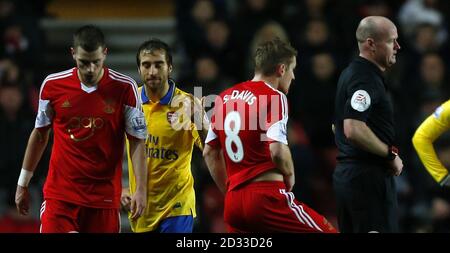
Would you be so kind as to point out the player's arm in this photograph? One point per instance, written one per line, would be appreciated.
(139, 199)
(125, 198)
(281, 156)
(136, 130)
(433, 127)
(279, 149)
(359, 134)
(36, 146)
(216, 164)
(214, 159)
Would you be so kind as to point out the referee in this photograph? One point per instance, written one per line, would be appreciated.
(364, 133)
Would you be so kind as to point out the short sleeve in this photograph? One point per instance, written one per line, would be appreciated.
(212, 136)
(133, 114)
(45, 111)
(277, 119)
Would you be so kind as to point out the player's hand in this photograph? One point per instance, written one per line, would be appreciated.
(289, 181)
(396, 166)
(125, 199)
(138, 204)
(22, 200)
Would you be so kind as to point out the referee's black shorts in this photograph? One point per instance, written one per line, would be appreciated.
(366, 198)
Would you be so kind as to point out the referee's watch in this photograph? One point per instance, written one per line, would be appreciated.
(392, 152)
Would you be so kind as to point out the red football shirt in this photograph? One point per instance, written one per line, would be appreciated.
(246, 119)
(89, 125)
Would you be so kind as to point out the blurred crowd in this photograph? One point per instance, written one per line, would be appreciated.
(215, 40)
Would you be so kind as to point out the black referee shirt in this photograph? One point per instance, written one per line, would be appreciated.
(362, 95)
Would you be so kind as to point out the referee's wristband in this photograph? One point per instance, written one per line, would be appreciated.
(25, 177)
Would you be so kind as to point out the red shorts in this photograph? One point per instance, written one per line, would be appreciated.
(62, 217)
(268, 207)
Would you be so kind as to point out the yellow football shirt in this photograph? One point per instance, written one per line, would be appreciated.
(168, 151)
(424, 137)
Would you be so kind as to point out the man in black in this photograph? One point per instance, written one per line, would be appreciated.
(364, 133)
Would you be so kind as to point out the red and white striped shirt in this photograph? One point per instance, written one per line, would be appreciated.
(246, 119)
(89, 125)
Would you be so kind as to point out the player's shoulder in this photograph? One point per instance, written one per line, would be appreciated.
(446, 105)
(179, 95)
(228, 90)
(255, 87)
(120, 78)
(271, 90)
(179, 91)
(139, 90)
(59, 75)
(57, 79)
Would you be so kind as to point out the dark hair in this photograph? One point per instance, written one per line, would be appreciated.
(89, 37)
(271, 53)
(154, 44)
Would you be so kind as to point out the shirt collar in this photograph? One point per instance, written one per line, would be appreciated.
(165, 100)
